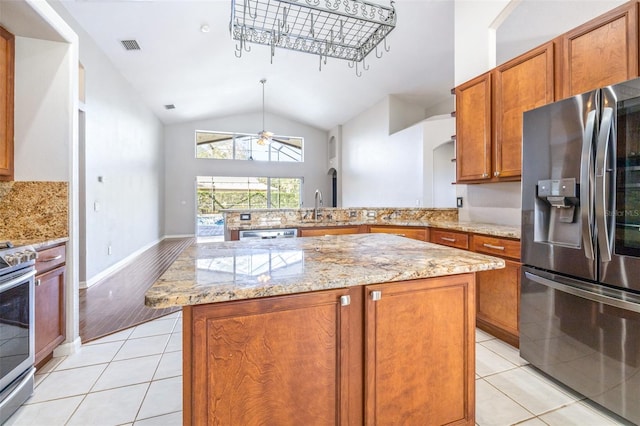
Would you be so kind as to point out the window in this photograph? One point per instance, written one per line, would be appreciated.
(216, 193)
(239, 146)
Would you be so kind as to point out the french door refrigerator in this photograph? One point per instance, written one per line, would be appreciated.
(580, 286)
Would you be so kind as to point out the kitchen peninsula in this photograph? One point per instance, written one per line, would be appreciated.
(341, 329)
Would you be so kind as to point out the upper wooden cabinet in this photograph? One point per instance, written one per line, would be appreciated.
(521, 84)
(489, 115)
(7, 48)
(473, 129)
(601, 52)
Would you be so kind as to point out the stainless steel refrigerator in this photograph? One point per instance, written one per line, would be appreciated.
(580, 287)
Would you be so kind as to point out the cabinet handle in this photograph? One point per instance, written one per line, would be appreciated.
(38, 282)
(485, 175)
(345, 300)
(400, 235)
(491, 246)
(451, 240)
(376, 295)
(496, 174)
(51, 259)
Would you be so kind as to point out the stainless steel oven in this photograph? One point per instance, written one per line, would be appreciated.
(17, 340)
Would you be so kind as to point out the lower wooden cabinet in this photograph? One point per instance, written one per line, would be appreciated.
(450, 238)
(498, 302)
(420, 346)
(49, 309)
(414, 232)
(396, 353)
(49, 314)
(329, 230)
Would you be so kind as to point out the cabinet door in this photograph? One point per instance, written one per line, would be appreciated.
(420, 353)
(522, 84)
(281, 361)
(6, 104)
(322, 231)
(49, 313)
(416, 233)
(498, 302)
(601, 52)
(473, 129)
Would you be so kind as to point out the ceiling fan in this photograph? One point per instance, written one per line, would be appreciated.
(265, 136)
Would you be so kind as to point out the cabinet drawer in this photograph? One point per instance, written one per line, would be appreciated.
(50, 258)
(322, 231)
(410, 232)
(450, 238)
(496, 246)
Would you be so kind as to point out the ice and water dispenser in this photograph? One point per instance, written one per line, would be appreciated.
(557, 212)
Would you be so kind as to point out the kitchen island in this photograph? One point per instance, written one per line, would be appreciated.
(348, 329)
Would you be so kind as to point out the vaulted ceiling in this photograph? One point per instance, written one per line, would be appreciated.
(199, 72)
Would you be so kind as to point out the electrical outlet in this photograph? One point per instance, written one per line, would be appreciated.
(352, 213)
(371, 214)
(459, 202)
(245, 216)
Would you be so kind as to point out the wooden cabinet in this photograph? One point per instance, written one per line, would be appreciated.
(498, 302)
(7, 47)
(329, 230)
(407, 348)
(419, 367)
(601, 52)
(473, 129)
(450, 238)
(414, 232)
(521, 84)
(498, 291)
(489, 115)
(49, 302)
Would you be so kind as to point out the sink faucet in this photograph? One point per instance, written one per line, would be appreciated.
(318, 203)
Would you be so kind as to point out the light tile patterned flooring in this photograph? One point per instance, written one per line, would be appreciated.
(134, 377)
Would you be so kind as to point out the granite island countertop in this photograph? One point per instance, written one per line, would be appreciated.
(236, 270)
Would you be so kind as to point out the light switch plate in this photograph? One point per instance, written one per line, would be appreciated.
(459, 201)
(245, 216)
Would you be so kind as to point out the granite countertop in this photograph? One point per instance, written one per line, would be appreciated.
(39, 243)
(473, 227)
(356, 216)
(236, 270)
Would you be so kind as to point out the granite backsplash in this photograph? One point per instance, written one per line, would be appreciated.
(33, 211)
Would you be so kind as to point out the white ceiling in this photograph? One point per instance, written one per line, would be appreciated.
(199, 73)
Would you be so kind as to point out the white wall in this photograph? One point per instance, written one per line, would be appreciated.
(378, 169)
(42, 134)
(182, 167)
(124, 146)
(438, 130)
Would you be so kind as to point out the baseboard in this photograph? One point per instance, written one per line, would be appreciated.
(118, 265)
(66, 349)
(179, 236)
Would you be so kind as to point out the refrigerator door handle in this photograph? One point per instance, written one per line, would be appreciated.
(602, 180)
(586, 180)
(585, 294)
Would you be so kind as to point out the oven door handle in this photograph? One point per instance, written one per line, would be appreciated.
(585, 294)
(18, 280)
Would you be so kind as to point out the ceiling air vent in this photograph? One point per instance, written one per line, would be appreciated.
(170, 106)
(130, 44)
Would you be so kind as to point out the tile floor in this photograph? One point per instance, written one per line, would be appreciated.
(134, 377)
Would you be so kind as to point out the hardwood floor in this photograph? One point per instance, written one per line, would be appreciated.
(117, 302)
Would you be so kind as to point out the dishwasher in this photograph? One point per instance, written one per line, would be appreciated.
(267, 234)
